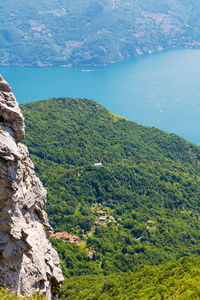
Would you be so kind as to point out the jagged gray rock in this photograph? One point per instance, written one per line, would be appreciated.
(28, 263)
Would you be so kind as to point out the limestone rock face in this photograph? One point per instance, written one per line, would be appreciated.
(28, 263)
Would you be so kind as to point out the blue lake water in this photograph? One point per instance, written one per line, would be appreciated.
(160, 90)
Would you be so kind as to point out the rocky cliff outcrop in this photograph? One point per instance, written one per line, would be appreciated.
(28, 263)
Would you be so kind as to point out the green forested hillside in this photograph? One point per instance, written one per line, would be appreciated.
(148, 186)
(93, 32)
(177, 280)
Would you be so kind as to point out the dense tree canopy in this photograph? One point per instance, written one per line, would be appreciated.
(176, 280)
(148, 186)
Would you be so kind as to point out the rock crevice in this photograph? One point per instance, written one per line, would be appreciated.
(28, 263)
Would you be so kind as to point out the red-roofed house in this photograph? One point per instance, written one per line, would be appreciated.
(101, 212)
(70, 238)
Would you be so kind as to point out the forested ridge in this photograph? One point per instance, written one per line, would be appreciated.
(147, 175)
(147, 187)
(173, 280)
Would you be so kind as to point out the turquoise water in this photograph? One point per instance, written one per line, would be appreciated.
(160, 90)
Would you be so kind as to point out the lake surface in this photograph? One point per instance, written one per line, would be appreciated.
(160, 90)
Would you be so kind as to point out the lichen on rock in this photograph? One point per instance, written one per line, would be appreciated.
(28, 263)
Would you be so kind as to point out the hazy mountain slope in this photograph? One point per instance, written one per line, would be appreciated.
(89, 32)
(148, 186)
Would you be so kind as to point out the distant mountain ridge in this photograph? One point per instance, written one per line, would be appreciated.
(94, 32)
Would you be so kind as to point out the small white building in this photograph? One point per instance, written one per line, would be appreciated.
(150, 222)
(98, 165)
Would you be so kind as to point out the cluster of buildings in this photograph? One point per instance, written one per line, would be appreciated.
(68, 237)
(103, 217)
